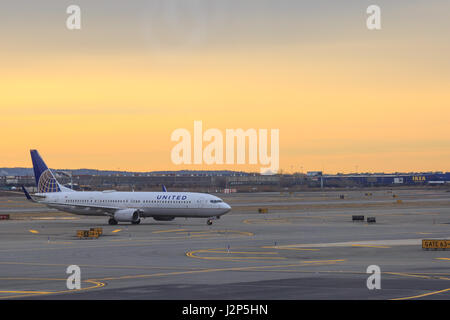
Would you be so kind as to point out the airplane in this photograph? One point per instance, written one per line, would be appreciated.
(122, 206)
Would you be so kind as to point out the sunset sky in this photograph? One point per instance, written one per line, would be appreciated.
(109, 96)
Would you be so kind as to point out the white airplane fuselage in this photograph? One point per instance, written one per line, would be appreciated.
(149, 204)
(122, 206)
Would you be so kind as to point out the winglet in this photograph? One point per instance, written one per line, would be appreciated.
(164, 188)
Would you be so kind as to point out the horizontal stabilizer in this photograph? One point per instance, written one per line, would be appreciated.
(27, 194)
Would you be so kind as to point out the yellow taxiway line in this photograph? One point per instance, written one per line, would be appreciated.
(97, 284)
(282, 248)
(419, 276)
(423, 295)
(219, 270)
(369, 246)
(172, 230)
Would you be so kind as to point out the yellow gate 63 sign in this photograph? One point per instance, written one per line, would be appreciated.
(435, 244)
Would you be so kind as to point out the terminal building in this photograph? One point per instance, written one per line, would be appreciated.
(374, 180)
(241, 182)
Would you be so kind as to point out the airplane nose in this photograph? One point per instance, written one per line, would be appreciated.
(227, 207)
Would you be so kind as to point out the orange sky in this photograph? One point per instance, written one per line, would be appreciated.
(369, 101)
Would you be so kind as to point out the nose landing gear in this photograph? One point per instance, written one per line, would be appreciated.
(210, 220)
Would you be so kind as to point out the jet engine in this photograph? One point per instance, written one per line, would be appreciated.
(126, 215)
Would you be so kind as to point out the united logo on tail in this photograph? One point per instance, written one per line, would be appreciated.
(45, 181)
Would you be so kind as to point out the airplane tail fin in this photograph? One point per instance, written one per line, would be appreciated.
(45, 180)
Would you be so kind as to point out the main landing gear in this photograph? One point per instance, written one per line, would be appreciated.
(209, 222)
(113, 221)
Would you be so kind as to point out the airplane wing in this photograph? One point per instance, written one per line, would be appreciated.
(108, 209)
(86, 206)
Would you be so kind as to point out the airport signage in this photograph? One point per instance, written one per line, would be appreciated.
(435, 244)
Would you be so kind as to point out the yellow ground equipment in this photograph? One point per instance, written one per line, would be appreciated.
(92, 233)
(98, 230)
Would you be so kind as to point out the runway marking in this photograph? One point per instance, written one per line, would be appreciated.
(97, 284)
(32, 292)
(419, 276)
(240, 258)
(282, 220)
(196, 236)
(263, 220)
(368, 246)
(192, 254)
(324, 261)
(34, 231)
(263, 268)
(283, 248)
(55, 218)
(408, 275)
(211, 234)
(395, 242)
(240, 252)
(88, 266)
(228, 254)
(172, 230)
(266, 269)
(107, 243)
(216, 270)
(442, 258)
(194, 233)
(61, 242)
(117, 230)
(423, 295)
(197, 232)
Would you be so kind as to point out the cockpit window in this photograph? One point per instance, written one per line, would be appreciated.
(215, 201)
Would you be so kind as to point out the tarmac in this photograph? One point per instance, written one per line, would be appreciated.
(306, 247)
